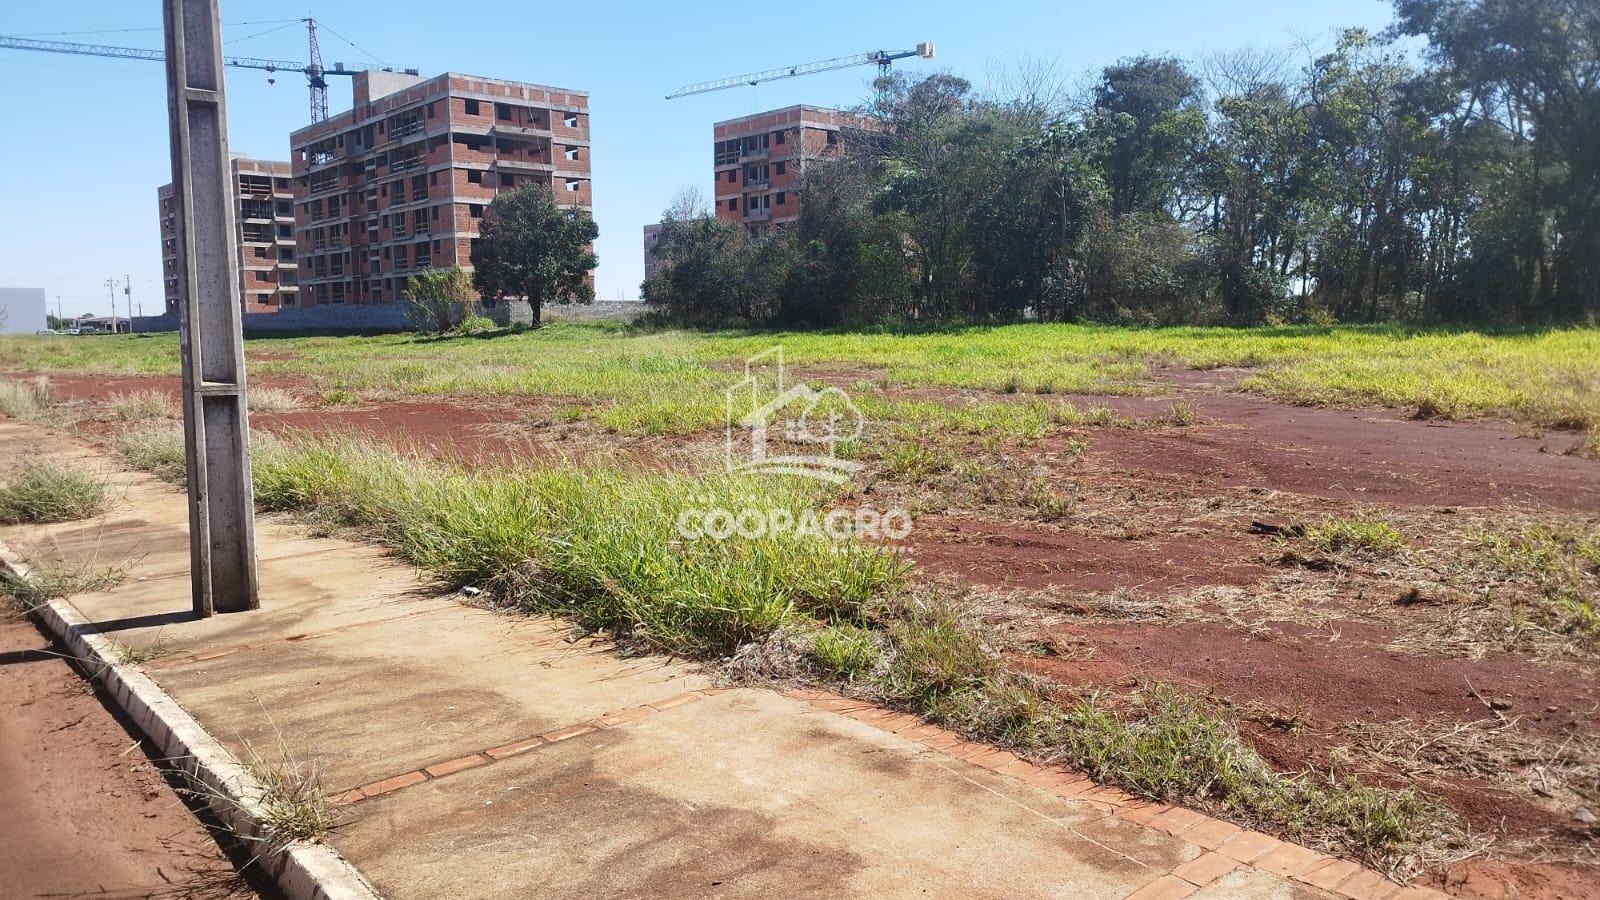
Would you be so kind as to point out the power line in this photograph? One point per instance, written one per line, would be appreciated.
(290, 24)
(154, 28)
(341, 37)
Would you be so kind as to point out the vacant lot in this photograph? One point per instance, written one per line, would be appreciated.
(1343, 584)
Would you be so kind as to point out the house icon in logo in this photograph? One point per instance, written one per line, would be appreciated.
(761, 409)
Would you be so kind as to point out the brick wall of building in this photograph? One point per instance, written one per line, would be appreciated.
(757, 161)
(400, 182)
(263, 224)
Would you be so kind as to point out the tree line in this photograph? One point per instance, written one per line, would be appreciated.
(1445, 170)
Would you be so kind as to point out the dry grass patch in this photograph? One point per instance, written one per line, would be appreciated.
(270, 399)
(31, 401)
(141, 406)
(46, 491)
(54, 579)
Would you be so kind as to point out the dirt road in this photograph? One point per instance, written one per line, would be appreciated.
(85, 811)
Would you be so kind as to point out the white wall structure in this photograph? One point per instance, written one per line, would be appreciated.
(21, 310)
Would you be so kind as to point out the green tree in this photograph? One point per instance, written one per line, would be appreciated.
(533, 249)
(1153, 104)
(1532, 67)
(438, 300)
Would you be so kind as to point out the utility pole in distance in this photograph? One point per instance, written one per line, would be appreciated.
(216, 425)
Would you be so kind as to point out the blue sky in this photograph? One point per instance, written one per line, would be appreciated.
(87, 137)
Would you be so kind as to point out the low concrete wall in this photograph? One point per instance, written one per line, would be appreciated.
(598, 311)
(379, 318)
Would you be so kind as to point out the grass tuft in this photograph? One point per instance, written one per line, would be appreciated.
(1361, 534)
(54, 579)
(269, 399)
(846, 651)
(155, 447)
(46, 491)
(31, 401)
(1563, 566)
(1590, 448)
(596, 544)
(293, 804)
(141, 406)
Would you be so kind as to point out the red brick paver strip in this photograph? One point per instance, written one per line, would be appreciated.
(1247, 845)
(1228, 844)
(1368, 885)
(512, 749)
(392, 784)
(1177, 820)
(1019, 768)
(1328, 875)
(1167, 887)
(1211, 834)
(674, 702)
(461, 764)
(625, 716)
(1142, 815)
(1206, 868)
(1288, 859)
(571, 731)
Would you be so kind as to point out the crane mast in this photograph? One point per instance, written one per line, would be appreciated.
(882, 58)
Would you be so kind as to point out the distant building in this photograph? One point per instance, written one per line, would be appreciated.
(103, 324)
(757, 161)
(400, 182)
(263, 226)
(22, 310)
(652, 237)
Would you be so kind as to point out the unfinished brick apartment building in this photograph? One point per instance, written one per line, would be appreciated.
(400, 182)
(263, 215)
(757, 161)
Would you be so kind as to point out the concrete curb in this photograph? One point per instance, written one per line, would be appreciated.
(303, 870)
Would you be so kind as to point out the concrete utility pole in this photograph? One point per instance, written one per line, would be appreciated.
(216, 425)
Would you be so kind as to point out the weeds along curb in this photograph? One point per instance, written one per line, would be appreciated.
(302, 870)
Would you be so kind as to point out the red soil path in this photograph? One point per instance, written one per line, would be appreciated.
(86, 813)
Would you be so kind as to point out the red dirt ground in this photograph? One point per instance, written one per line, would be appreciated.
(1019, 557)
(85, 811)
(1355, 457)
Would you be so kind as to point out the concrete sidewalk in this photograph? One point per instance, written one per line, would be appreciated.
(479, 754)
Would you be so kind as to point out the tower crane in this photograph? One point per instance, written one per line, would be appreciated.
(883, 59)
(316, 75)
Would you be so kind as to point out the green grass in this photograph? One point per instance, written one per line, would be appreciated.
(51, 579)
(1563, 566)
(1168, 745)
(601, 547)
(671, 382)
(45, 491)
(596, 544)
(930, 656)
(846, 651)
(1361, 534)
(1590, 448)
